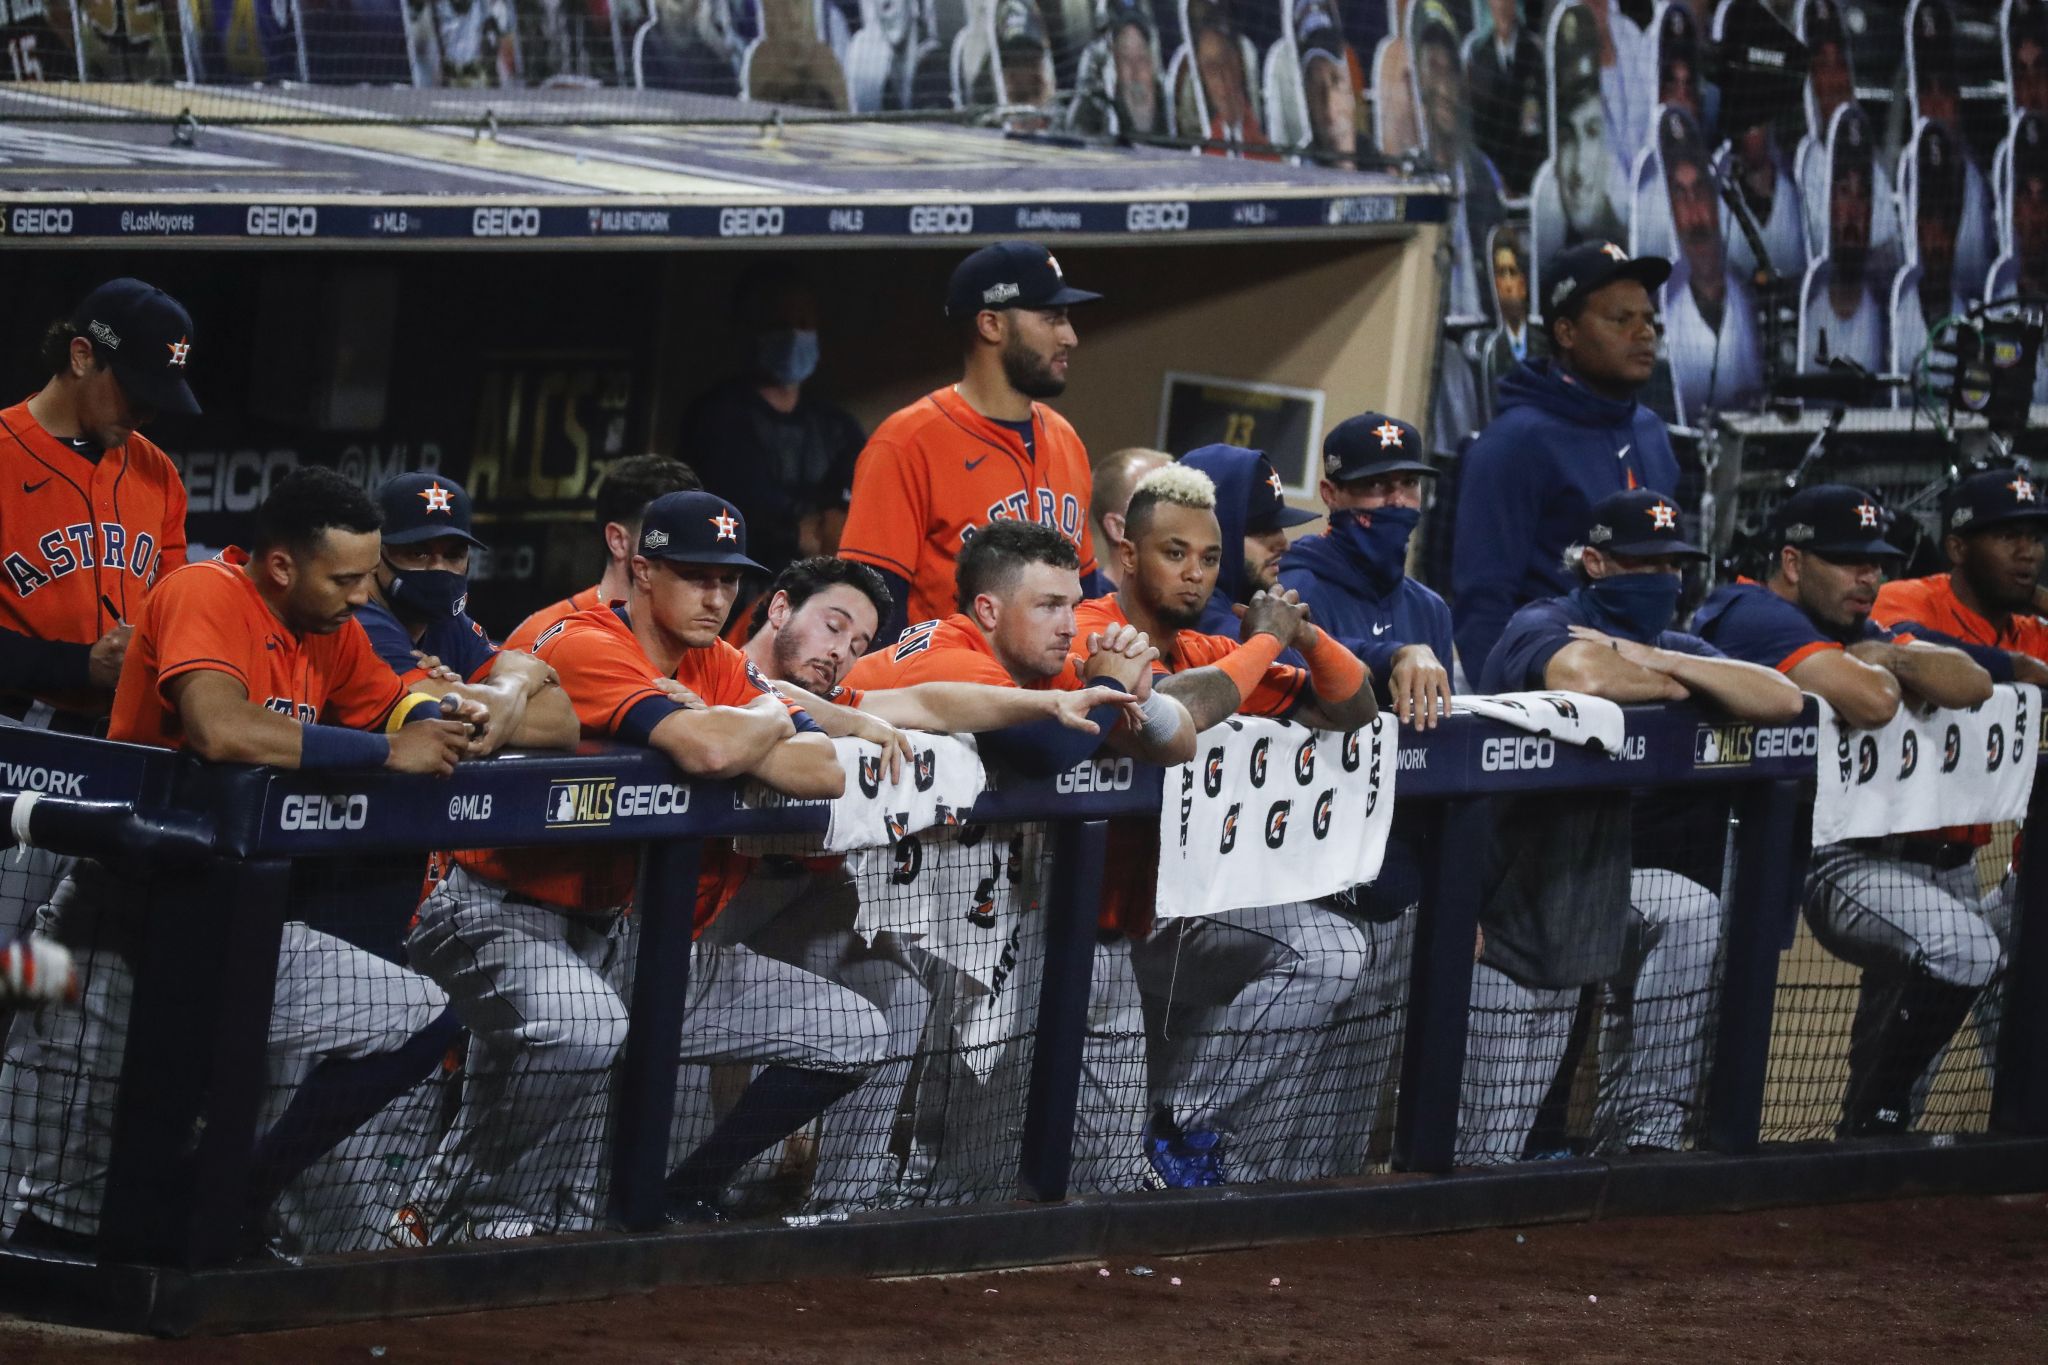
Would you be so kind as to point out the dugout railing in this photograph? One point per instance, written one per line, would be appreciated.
(222, 843)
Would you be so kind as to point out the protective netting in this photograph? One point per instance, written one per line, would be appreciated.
(1888, 1002)
(1598, 985)
(1262, 1044)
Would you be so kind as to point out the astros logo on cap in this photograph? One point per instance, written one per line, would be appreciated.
(438, 498)
(1663, 517)
(1389, 434)
(727, 524)
(179, 350)
(1866, 515)
(1610, 249)
(2022, 489)
(1273, 481)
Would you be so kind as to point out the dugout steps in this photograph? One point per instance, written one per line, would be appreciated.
(271, 1295)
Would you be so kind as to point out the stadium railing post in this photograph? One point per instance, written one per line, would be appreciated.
(1771, 846)
(193, 1074)
(2019, 1080)
(1072, 904)
(1440, 986)
(666, 903)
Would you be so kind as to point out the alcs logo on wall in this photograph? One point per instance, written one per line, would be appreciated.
(581, 801)
(1732, 746)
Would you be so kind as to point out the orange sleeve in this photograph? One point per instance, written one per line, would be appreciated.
(1900, 600)
(605, 675)
(1278, 691)
(1803, 653)
(363, 693)
(891, 507)
(199, 628)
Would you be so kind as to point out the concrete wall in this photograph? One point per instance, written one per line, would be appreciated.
(1356, 320)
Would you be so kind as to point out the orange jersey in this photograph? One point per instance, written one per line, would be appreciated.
(208, 617)
(1931, 604)
(937, 471)
(530, 629)
(951, 650)
(612, 684)
(1132, 853)
(82, 542)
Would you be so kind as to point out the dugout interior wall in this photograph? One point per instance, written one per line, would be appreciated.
(518, 373)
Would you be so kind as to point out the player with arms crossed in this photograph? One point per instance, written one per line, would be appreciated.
(535, 947)
(1904, 908)
(983, 450)
(1235, 1004)
(250, 658)
(1655, 949)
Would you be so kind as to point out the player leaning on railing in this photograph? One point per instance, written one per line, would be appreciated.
(250, 658)
(1905, 908)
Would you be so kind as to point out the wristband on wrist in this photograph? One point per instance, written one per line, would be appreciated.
(1333, 670)
(1159, 718)
(333, 746)
(1246, 665)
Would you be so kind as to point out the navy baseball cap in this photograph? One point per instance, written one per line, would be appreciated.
(145, 335)
(419, 507)
(1579, 270)
(1010, 275)
(1372, 444)
(1266, 508)
(1996, 497)
(1834, 520)
(695, 528)
(1640, 521)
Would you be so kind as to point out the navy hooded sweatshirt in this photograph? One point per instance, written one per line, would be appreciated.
(1231, 467)
(1527, 486)
(1370, 619)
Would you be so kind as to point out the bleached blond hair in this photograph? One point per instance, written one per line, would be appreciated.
(1178, 484)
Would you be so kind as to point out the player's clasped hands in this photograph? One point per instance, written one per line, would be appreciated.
(1278, 612)
(1123, 653)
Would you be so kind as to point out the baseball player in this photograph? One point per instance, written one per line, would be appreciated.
(984, 450)
(1116, 477)
(1993, 525)
(418, 611)
(815, 621)
(1353, 579)
(1610, 637)
(1251, 505)
(250, 658)
(91, 514)
(1569, 432)
(1017, 587)
(535, 946)
(626, 488)
(1904, 908)
(1234, 1004)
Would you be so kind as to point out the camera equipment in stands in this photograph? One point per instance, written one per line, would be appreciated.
(1984, 363)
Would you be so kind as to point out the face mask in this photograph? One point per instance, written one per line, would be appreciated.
(787, 357)
(1380, 538)
(432, 593)
(1641, 605)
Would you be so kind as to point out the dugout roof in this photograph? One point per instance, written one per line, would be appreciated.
(360, 177)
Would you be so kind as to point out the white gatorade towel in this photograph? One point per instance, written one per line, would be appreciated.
(1270, 812)
(1927, 771)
